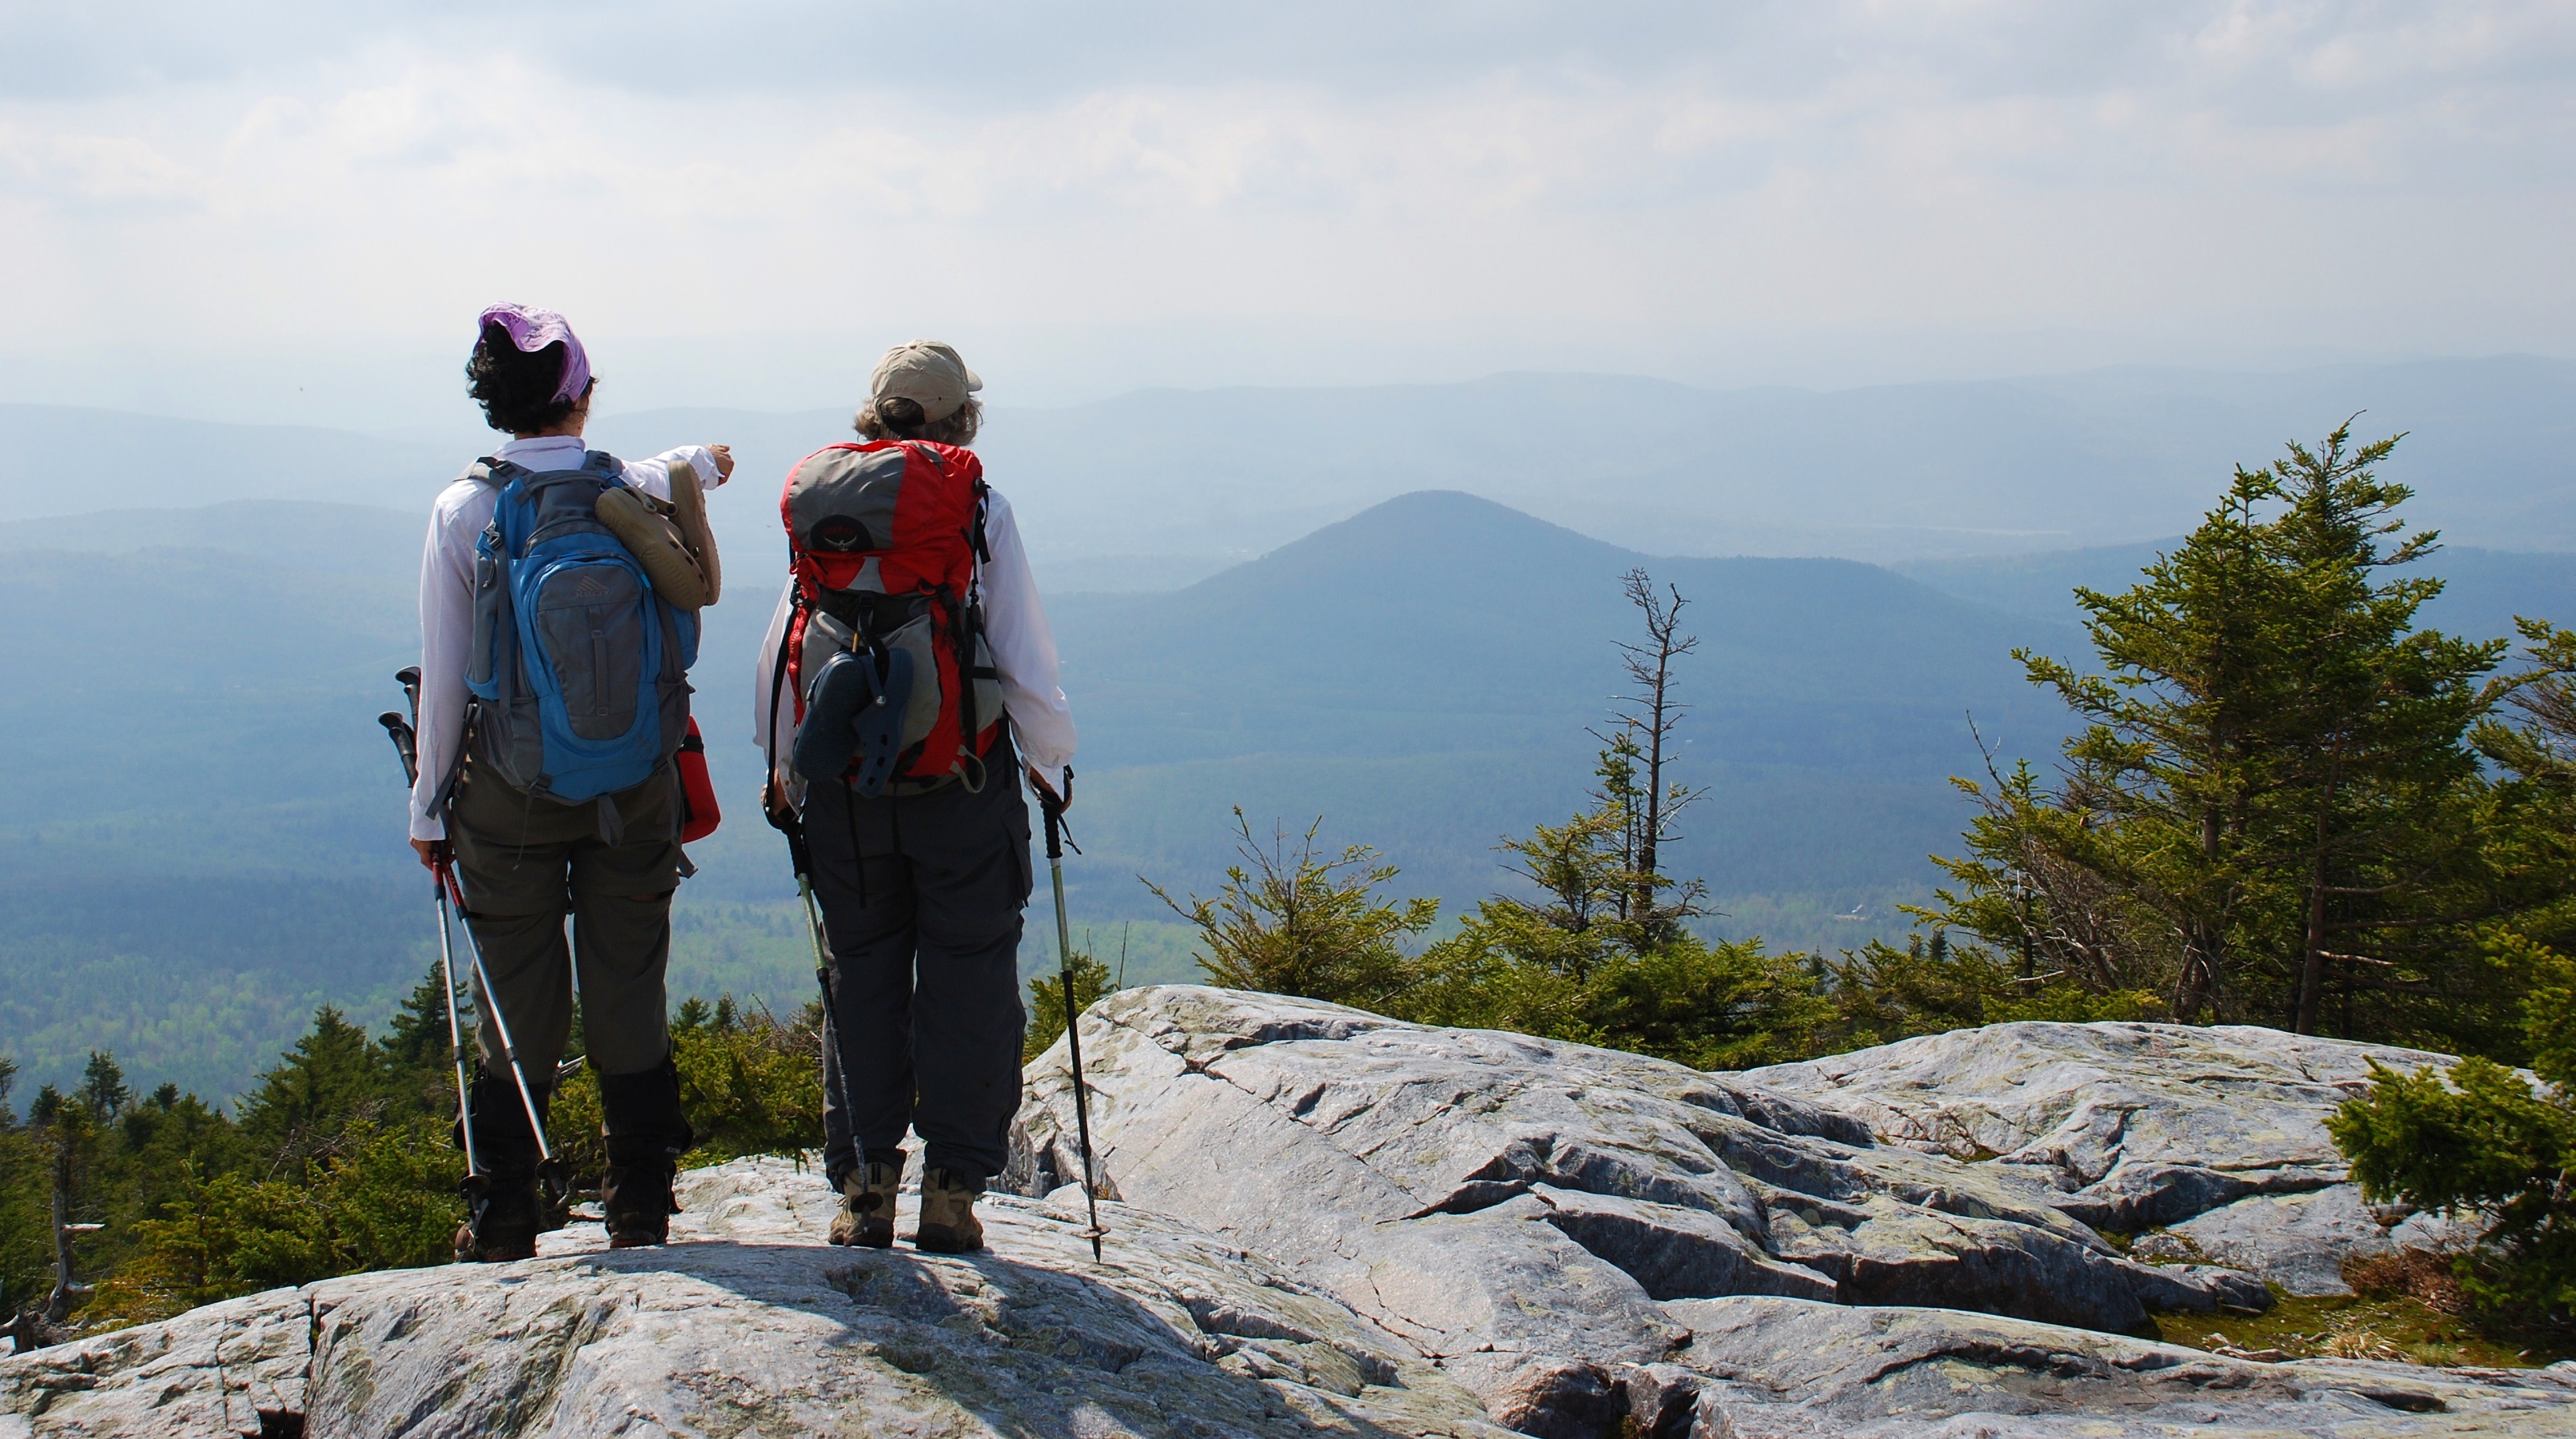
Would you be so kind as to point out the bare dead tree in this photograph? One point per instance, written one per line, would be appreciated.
(1645, 718)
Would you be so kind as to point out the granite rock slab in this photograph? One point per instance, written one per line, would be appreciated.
(2124, 1126)
(2303, 1241)
(1771, 1368)
(1427, 1177)
(753, 1325)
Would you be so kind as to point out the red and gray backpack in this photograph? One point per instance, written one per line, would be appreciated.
(884, 539)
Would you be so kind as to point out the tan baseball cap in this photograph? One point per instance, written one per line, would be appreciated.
(928, 373)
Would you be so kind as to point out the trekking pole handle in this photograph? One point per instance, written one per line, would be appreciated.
(1052, 803)
(773, 808)
(400, 731)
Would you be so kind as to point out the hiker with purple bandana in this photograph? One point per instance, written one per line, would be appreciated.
(524, 855)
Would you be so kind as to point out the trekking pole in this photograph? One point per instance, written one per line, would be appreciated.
(547, 1168)
(455, 1034)
(405, 740)
(451, 897)
(1052, 806)
(801, 858)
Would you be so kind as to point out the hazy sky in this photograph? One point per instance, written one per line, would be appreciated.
(204, 206)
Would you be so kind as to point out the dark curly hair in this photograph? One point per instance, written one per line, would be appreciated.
(896, 418)
(516, 388)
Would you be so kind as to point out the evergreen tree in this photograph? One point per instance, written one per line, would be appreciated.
(416, 1037)
(2274, 801)
(103, 1092)
(2530, 821)
(24, 1245)
(2380, 784)
(414, 1062)
(330, 1079)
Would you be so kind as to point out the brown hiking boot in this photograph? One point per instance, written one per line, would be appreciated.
(948, 1223)
(867, 1206)
(636, 1203)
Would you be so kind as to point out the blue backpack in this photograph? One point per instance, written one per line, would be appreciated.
(580, 671)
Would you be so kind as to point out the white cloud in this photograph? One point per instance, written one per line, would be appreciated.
(2367, 175)
(86, 173)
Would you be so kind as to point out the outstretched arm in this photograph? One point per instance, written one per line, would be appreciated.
(713, 463)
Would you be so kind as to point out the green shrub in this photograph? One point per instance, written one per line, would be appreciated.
(1046, 1001)
(376, 1199)
(749, 1082)
(2483, 1140)
(1307, 925)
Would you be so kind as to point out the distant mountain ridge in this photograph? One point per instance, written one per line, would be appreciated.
(2482, 589)
(70, 461)
(1153, 489)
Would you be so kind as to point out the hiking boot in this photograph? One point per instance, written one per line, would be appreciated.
(646, 1136)
(635, 1202)
(506, 1210)
(867, 1205)
(948, 1223)
(506, 1215)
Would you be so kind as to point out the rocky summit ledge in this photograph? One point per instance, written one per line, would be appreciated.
(2130, 1125)
(1796, 1369)
(2218, 1133)
(1332, 1223)
(754, 1325)
(1537, 1216)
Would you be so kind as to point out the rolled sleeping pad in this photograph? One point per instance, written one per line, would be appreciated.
(854, 713)
(646, 527)
(689, 512)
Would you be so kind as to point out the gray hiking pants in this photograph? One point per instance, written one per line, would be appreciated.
(922, 897)
(525, 863)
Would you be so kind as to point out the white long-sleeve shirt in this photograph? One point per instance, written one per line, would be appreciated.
(456, 522)
(1015, 628)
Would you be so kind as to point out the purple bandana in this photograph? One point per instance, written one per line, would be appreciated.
(532, 329)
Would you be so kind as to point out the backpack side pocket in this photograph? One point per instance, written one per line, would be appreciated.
(921, 711)
(492, 622)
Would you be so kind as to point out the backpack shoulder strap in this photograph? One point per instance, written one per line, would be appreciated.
(975, 528)
(602, 463)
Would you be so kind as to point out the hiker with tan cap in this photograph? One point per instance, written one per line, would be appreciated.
(905, 689)
(559, 599)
